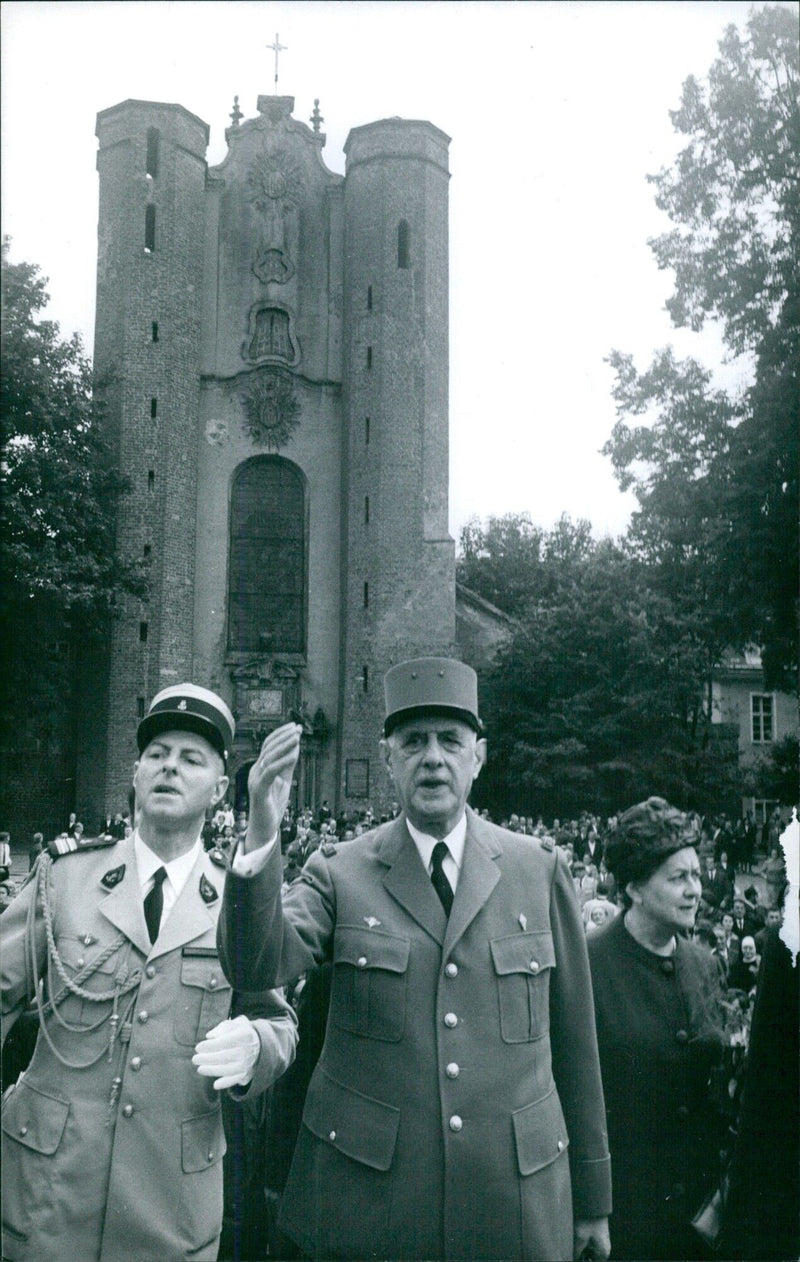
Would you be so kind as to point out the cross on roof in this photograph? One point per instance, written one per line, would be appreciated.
(277, 48)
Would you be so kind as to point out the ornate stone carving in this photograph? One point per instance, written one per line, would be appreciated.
(274, 184)
(272, 407)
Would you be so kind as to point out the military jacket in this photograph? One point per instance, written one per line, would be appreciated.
(112, 1142)
(456, 1110)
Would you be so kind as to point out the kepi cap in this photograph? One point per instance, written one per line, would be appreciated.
(189, 708)
(431, 685)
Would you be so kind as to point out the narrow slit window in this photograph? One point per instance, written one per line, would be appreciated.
(150, 227)
(155, 330)
(147, 551)
(369, 357)
(366, 510)
(366, 431)
(143, 632)
(403, 244)
(154, 408)
(365, 678)
(140, 707)
(369, 298)
(151, 479)
(151, 162)
(366, 595)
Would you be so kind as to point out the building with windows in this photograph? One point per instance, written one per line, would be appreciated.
(758, 719)
(271, 353)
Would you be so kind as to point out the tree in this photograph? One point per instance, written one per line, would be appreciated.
(59, 570)
(510, 558)
(717, 477)
(597, 700)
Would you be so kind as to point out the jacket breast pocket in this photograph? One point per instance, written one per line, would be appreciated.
(204, 998)
(370, 983)
(90, 971)
(523, 963)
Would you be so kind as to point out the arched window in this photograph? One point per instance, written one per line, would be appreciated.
(267, 569)
(403, 244)
(151, 161)
(271, 335)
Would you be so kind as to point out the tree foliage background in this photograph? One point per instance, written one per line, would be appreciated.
(59, 571)
(603, 694)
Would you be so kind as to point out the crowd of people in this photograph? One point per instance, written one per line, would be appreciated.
(663, 917)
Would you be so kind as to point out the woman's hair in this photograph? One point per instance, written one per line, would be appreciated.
(644, 836)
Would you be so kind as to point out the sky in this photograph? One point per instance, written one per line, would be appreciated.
(557, 112)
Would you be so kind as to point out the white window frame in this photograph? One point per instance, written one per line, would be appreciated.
(758, 713)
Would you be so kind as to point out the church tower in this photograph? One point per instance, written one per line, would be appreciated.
(271, 354)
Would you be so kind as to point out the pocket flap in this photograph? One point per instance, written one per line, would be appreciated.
(355, 1124)
(203, 972)
(540, 1132)
(202, 1141)
(370, 949)
(35, 1118)
(523, 953)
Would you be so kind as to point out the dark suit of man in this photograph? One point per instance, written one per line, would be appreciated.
(456, 1110)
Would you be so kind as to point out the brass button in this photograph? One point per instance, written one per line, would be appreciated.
(332, 1136)
(534, 966)
(212, 983)
(362, 961)
(23, 1130)
(452, 1070)
(455, 1123)
(451, 969)
(127, 1110)
(210, 1157)
(681, 1037)
(150, 971)
(450, 1020)
(81, 962)
(142, 1017)
(560, 1145)
(136, 1063)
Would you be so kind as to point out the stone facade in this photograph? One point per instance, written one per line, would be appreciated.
(267, 322)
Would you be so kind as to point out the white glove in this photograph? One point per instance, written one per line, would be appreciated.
(228, 1053)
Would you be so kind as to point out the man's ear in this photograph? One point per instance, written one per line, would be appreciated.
(386, 754)
(632, 890)
(481, 752)
(220, 789)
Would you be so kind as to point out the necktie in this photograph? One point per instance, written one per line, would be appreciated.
(440, 882)
(154, 904)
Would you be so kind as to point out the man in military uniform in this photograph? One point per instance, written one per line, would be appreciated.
(113, 1138)
(456, 1110)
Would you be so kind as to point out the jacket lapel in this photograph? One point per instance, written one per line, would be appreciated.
(123, 905)
(190, 917)
(409, 883)
(478, 877)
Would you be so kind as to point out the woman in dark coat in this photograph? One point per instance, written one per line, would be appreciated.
(659, 1030)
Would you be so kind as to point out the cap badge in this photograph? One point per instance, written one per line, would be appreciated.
(113, 877)
(182, 704)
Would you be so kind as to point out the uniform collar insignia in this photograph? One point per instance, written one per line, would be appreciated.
(217, 856)
(207, 890)
(113, 877)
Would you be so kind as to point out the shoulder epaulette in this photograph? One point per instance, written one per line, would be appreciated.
(327, 848)
(71, 845)
(547, 843)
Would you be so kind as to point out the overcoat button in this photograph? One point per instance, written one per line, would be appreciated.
(23, 1130)
(452, 1070)
(451, 969)
(681, 1036)
(127, 1111)
(455, 1123)
(212, 983)
(332, 1136)
(210, 1157)
(668, 967)
(560, 1145)
(136, 1063)
(534, 966)
(150, 971)
(362, 961)
(450, 1020)
(142, 1018)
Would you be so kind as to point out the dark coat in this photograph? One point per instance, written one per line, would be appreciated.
(456, 1109)
(117, 1156)
(660, 1036)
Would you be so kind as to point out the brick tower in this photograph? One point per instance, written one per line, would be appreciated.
(271, 353)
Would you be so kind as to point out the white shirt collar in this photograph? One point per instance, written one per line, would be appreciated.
(148, 862)
(454, 841)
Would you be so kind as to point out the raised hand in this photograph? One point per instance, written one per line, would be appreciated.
(270, 782)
